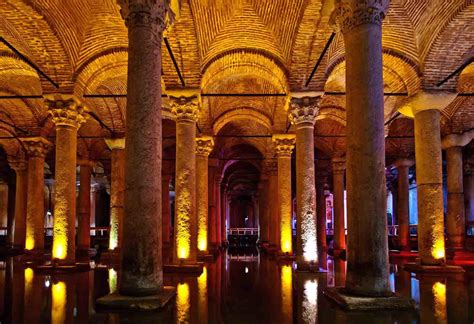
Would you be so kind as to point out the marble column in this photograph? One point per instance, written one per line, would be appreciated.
(338, 170)
(367, 253)
(166, 208)
(141, 261)
(67, 114)
(204, 145)
(284, 145)
(321, 210)
(186, 110)
(19, 228)
(302, 114)
(84, 217)
(117, 189)
(36, 149)
(403, 203)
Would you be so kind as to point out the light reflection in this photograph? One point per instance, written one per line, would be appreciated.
(58, 309)
(202, 288)
(286, 291)
(439, 294)
(112, 280)
(182, 303)
(310, 301)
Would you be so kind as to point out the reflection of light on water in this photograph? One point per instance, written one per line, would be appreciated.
(29, 274)
(182, 303)
(58, 309)
(308, 236)
(112, 280)
(310, 301)
(246, 270)
(286, 289)
(439, 294)
(202, 288)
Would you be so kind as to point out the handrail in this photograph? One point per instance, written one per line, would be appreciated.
(243, 231)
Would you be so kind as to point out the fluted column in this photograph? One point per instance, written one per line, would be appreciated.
(142, 259)
(303, 111)
(84, 219)
(204, 145)
(117, 189)
(284, 144)
(166, 208)
(186, 110)
(321, 210)
(68, 115)
(367, 255)
(36, 149)
(338, 170)
(403, 203)
(19, 227)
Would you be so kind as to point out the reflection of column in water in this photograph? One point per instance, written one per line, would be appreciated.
(33, 296)
(286, 293)
(403, 282)
(433, 300)
(112, 281)
(59, 302)
(15, 286)
(202, 288)
(310, 301)
(183, 303)
(82, 299)
(339, 272)
(457, 299)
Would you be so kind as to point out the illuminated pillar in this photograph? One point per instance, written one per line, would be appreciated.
(68, 115)
(303, 111)
(19, 235)
(284, 144)
(367, 253)
(403, 208)
(36, 149)
(433, 300)
(213, 204)
(166, 208)
(223, 216)
(186, 110)
(338, 170)
(117, 188)
(263, 212)
(219, 211)
(84, 219)
(273, 210)
(321, 211)
(204, 145)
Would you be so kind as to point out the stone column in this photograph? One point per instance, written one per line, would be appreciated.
(213, 203)
(19, 228)
(469, 191)
(284, 144)
(321, 211)
(219, 211)
(141, 260)
(204, 145)
(166, 208)
(186, 110)
(36, 149)
(68, 115)
(403, 208)
(84, 219)
(117, 189)
(273, 210)
(303, 111)
(263, 213)
(367, 256)
(338, 170)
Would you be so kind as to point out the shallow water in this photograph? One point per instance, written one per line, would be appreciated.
(233, 289)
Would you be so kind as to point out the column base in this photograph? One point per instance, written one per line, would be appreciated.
(57, 269)
(305, 266)
(35, 256)
(419, 268)
(205, 256)
(280, 256)
(191, 268)
(359, 303)
(116, 301)
(11, 250)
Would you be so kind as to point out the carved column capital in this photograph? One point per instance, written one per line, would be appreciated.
(403, 162)
(185, 109)
(284, 144)
(18, 164)
(139, 13)
(115, 143)
(338, 165)
(303, 110)
(36, 146)
(86, 163)
(349, 14)
(454, 140)
(204, 146)
(65, 110)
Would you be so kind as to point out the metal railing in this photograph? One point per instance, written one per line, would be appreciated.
(242, 231)
(95, 231)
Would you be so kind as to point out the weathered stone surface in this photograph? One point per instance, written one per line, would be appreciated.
(144, 303)
(338, 171)
(403, 211)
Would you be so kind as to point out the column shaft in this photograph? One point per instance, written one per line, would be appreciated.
(284, 193)
(338, 199)
(166, 208)
(84, 225)
(321, 213)
(263, 213)
(403, 211)
(21, 189)
(429, 180)
(456, 222)
(204, 146)
(117, 189)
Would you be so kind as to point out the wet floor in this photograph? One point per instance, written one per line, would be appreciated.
(233, 289)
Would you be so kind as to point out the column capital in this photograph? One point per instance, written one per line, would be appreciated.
(85, 162)
(349, 14)
(403, 162)
(284, 144)
(185, 108)
(453, 140)
(303, 109)
(426, 100)
(204, 146)
(115, 143)
(338, 165)
(138, 13)
(65, 110)
(36, 146)
(18, 164)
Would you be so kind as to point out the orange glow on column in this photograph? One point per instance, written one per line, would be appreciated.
(439, 294)
(59, 242)
(182, 303)
(286, 290)
(437, 251)
(183, 227)
(202, 239)
(30, 242)
(58, 309)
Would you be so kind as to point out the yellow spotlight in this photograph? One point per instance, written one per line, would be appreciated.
(30, 243)
(202, 242)
(438, 249)
(439, 294)
(60, 241)
(286, 289)
(29, 274)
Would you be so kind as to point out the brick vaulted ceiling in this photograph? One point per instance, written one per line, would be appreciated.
(223, 46)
